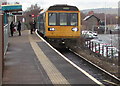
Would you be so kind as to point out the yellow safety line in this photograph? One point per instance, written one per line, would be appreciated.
(55, 76)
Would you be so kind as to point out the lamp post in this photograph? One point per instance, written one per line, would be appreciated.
(119, 40)
(105, 19)
(105, 23)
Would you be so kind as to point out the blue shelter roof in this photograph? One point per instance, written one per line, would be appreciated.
(15, 7)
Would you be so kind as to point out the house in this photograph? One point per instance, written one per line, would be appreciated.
(91, 21)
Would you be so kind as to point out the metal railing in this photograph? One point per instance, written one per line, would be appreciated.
(6, 28)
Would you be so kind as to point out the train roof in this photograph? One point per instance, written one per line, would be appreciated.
(63, 8)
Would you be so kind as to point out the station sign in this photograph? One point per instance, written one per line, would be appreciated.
(10, 8)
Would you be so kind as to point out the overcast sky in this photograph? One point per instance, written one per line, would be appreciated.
(81, 4)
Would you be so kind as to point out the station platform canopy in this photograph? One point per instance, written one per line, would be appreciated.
(11, 8)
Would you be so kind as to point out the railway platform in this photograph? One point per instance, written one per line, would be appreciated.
(29, 60)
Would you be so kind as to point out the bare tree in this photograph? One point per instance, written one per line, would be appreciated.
(33, 10)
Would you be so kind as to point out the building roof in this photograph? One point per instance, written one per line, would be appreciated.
(90, 16)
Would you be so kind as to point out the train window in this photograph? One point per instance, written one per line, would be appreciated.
(63, 18)
(73, 19)
(52, 18)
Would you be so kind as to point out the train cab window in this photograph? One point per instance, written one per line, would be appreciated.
(63, 18)
(73, 19)
(52, 18)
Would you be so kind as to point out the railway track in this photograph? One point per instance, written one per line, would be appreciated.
(97, 73)
(90, 68)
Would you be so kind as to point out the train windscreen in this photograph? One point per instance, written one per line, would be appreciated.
(63, 19)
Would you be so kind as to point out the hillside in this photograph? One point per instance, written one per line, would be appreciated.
(102, 10)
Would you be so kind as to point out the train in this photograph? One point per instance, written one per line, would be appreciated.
(60, 24)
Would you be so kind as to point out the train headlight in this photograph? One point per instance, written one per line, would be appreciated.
(75, 29)
(51, 29)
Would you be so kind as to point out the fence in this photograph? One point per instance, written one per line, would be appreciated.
(105, 51)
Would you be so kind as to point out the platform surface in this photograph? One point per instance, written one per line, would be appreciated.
(29, 60)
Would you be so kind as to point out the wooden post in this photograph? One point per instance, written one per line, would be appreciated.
(103, 51)
(92, 46)
(107, 51)
(99, 48)
(95, 48)
(1, 47)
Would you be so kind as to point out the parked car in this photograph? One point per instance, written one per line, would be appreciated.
(89, 34)
(117, 27)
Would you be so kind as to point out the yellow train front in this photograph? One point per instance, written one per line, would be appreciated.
(60, 23)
